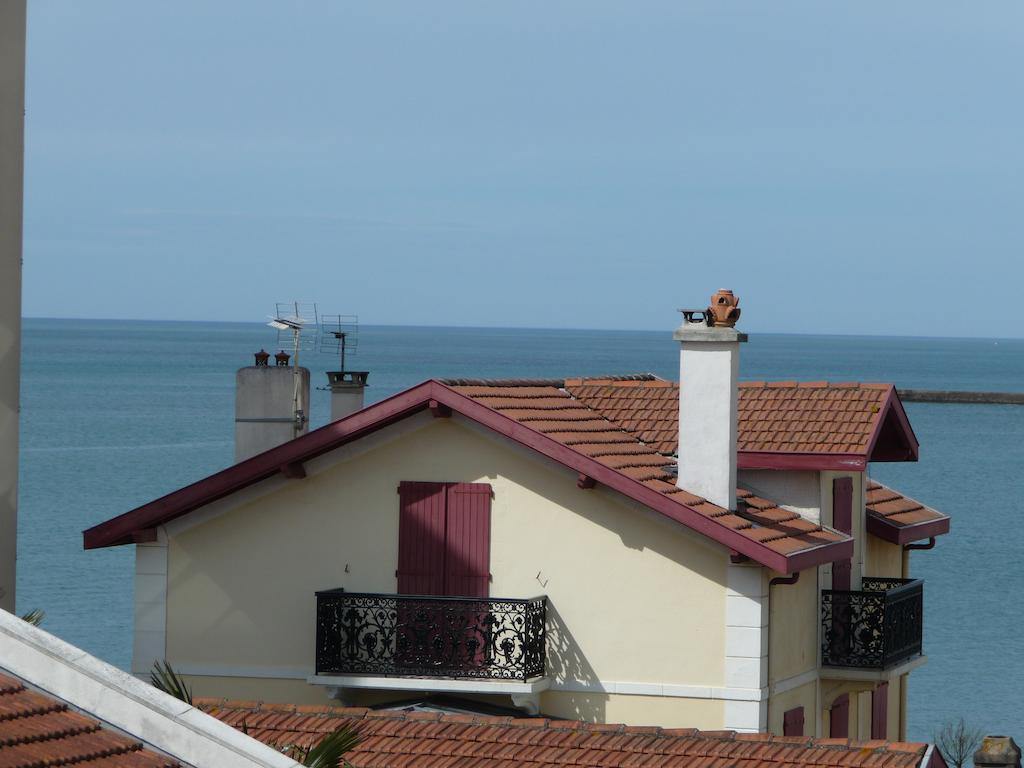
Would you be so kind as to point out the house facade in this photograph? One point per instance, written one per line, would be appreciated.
(575, 548)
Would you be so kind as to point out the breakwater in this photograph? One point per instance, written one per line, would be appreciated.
(950, 396)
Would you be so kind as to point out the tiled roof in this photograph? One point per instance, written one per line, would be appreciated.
(899, 518)
(551, 411)
(804, 417)
(399, 739)
(39, 730)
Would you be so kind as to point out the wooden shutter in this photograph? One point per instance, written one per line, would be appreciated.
(793, 722)
(880, 711)
(839, 718)
(468, 565)
(421, 538)
(842, 520)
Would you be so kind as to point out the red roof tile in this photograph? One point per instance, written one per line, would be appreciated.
(898, 518)
(39, 730)
(804, 417)
(393, 738)
(575, 424)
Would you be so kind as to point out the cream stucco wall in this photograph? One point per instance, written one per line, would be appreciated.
(805, 696)
(799, 491)
(12, 143)
(793, 644)
(882, 558)
(632, 597)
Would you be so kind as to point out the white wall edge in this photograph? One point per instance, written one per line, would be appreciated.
(126, 703)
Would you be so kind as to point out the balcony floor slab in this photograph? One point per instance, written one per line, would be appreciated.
(432, 685)
(874, 675)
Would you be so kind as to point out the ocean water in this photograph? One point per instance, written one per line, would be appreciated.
(116, 413)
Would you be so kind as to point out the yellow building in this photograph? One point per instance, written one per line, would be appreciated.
(540, 544)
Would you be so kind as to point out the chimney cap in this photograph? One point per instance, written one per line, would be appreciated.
(282, 358)
(262, 357)
(997, 751)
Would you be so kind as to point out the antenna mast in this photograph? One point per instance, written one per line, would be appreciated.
(293, 317)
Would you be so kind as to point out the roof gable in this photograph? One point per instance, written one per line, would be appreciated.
(544, 419)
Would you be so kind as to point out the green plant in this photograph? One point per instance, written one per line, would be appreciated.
(34, 617)
(164, 678)
(330, 751)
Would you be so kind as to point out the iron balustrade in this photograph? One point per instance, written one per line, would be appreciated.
(876, 627)
(426, 636)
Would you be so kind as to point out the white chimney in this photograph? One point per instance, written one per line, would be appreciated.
(271, 405)
(347, 388)
(709, 362)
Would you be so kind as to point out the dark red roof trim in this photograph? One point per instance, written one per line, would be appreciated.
(119, 530)
(879, 526)
(787, 460)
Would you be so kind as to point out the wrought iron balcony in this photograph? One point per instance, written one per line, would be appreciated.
(875, 628)
(432, 637)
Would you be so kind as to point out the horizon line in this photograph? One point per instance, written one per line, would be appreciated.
(533, 328)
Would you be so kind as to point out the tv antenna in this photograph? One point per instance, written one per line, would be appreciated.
(339, 334)
(299, 323)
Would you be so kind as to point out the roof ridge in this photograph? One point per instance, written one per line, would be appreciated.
(560, 383)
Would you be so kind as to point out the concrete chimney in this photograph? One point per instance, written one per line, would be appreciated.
(709, 362)
(997, 752)
(347, 389)
(266, 411)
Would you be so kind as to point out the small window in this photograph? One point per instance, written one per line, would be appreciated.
(793, 722)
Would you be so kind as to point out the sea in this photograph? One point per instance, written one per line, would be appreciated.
(117, 413)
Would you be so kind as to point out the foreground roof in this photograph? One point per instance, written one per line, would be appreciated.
(36, 729)
(546, 420)
(399, 739)
(61, 706)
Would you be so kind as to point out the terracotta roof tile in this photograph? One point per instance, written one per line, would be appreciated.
(890, 509)
(805, 417)
(465, 741)
(38, 730)
(583, 424)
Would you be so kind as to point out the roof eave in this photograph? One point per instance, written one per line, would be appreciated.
(120, 530)
(878, 525)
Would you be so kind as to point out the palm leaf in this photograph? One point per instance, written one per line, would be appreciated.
(34, 617)
(164, 678)
(329, 753)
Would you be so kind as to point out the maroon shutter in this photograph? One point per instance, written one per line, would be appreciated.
(793, 722)
(842, 520)
(839, 718)
(880, 711)
(421, 538)
(468, 567)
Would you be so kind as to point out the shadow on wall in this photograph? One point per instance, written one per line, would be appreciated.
(566, 665)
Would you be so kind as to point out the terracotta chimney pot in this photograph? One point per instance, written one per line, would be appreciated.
(725, 309)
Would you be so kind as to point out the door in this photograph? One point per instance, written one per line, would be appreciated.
(444, 539)
(839, 718)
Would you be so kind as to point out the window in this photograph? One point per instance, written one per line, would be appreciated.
(793, 722)
(444, 539)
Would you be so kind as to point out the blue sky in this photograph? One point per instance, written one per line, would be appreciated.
(851, 167)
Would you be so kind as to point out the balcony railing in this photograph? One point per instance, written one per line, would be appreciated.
(438, 637)
(875, 628)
